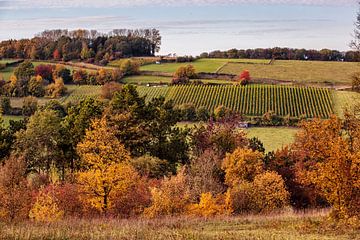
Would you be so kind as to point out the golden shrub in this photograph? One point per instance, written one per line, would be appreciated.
(45, 209)
(209, 206)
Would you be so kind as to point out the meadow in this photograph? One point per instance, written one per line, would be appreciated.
(288, 225)
(299, 71)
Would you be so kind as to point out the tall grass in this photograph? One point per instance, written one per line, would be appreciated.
(288, 225)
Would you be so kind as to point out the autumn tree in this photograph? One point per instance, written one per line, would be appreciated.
(183, 74)
(15, 198)
(45, 208)
(30, 105)
(109, 89)
(62, 72)
(24, 71)
(129, 67)
(45, 71)
(356, 82)
(244, 77)
(36, 86)
(56, 89)
(106, 166)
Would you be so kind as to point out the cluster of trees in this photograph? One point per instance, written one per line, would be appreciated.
(91, 46)
(127, 158)
(286, 54)
(43, 80)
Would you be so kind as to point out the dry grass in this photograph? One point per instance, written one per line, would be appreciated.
(282, 226)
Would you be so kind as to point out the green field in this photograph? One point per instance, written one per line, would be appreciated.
(143, 80)
(202, 65)
(285, 226)
(345, 99)
(273, 138)
(5, 61)
(7, 119)
(251, 100)
(299, 71)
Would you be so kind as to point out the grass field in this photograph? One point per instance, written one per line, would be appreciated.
(251, 100)
(285, 226)
(273, 138)
(344, 99)
(7, 119)
(143, 80)
(299, 71)
(5, 61)
(202, 65)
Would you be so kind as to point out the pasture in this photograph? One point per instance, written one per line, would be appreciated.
(209, 65)
(251, 100)
(298, 71)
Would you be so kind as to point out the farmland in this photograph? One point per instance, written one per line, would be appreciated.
(253, 100)
(344, 99)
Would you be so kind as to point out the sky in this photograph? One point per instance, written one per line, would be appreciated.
(189, 27)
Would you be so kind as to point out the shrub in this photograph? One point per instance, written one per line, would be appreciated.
(221, 112)
(61, 72)
(239, 197)
(80, 76)
(36, 86)
(269, 192)
(202, 114)
(183, 74)
(171, 198)
(244, 77)
(45, 209)
(56, 89)
(129, 67)
(45, 71)
(30, 105)
(5, 105)
(209, 206)
(15, 198)
(152, 167)
(109, 89)
(188, 112)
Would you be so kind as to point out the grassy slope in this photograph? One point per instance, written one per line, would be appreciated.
(201, 65)
(273, 138)
(288, 226)
(343, 99)
(301, 71)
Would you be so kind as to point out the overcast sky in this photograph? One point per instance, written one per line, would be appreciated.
(193, 26)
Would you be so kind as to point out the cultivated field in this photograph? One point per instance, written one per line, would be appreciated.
(299, 71)
(289, 226)
(344, 99)
(252, 100)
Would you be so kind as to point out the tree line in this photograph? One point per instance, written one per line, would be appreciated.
(91, 46)
(286, 54)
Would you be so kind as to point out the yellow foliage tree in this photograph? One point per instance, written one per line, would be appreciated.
(210, 206)
(171, 198)
(45, 209)
(269, 192)
(242, 165)
(106, 166)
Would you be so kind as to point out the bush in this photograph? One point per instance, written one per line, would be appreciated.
(244, 77)
(239, 197)
(242, 165)
(152, 167)
(269, 192)
(30, 105)
(45, 71)
(129, 67)
(61, 72)
(36, 86)
(183, 74)
(202, 114)
(109, 89)
(5, 105)
(171, 198)
(45, 209)
(221, 112)
(188, 112)
(56, 89)
(80, 76)
(209, 206)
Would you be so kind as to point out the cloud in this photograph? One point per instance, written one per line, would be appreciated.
(21, 4)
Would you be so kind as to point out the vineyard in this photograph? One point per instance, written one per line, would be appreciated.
(253, 100)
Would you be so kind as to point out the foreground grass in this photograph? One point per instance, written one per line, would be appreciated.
(299, 71)
(283, 226)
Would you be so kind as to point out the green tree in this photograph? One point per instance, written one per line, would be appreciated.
(24, 71)
(129, 67)
(41, 143)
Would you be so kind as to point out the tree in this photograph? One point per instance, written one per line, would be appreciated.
(56, 89)
(36, 86)
(242, 165)
(109, 89)
(61, 72)
(129, 67)
(355, 44)
(45, 209)
(80, 76)
(41, 143)
(183, 74)
(24, 71)
(30, 105)
(56, 55)
(106, 169)
(15, 198)
(244, 77)
(5, 105)
(45, 71)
